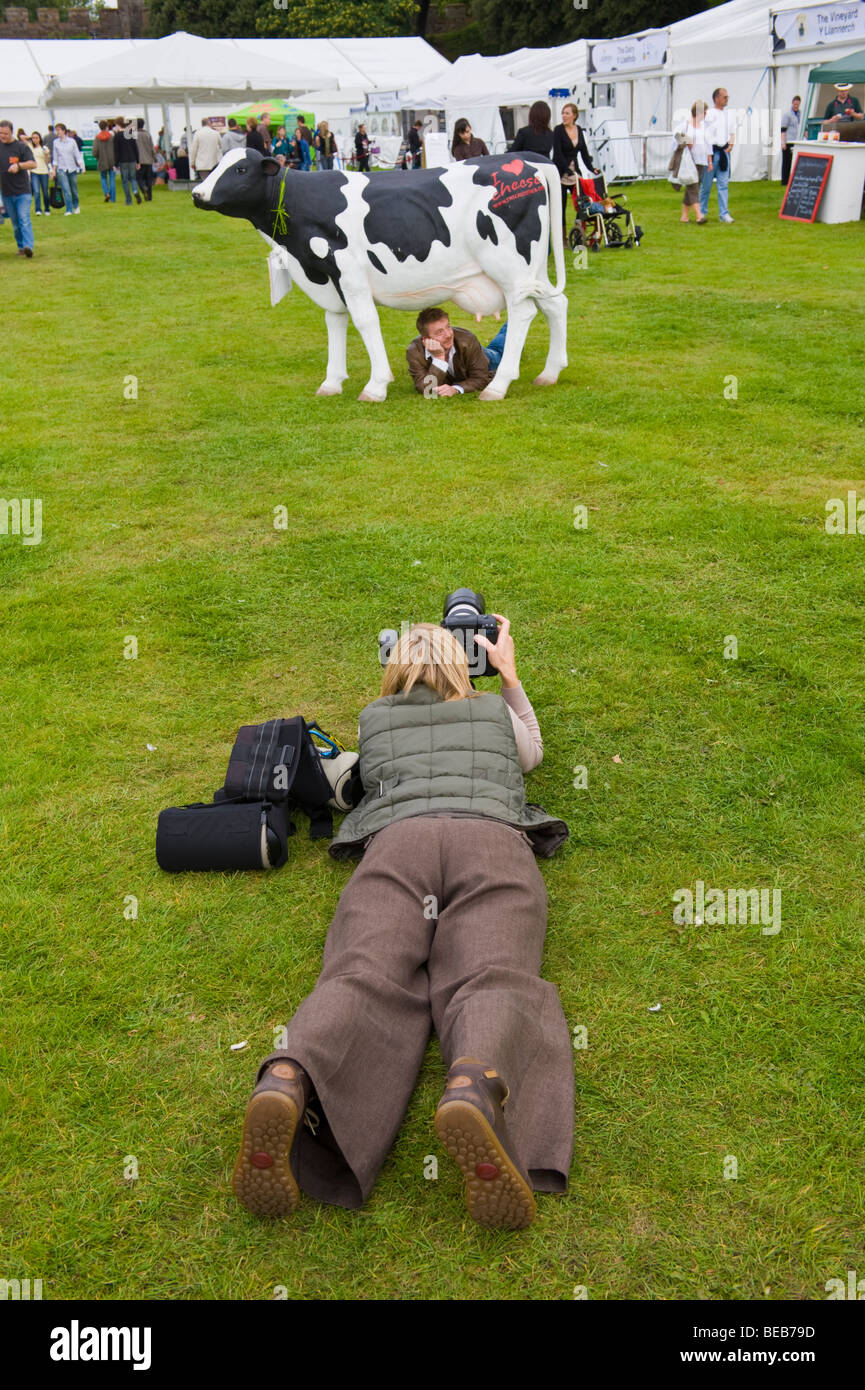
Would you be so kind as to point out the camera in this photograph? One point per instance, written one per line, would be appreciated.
(464, 616)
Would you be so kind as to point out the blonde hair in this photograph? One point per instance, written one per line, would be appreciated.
(428, 655)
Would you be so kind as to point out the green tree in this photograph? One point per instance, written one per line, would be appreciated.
(212, 19)
(337, 19)
(542, 23)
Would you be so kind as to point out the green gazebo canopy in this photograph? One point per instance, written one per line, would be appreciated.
(849, 69)
(274, 111)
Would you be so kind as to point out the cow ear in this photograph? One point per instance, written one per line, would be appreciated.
(269, 165)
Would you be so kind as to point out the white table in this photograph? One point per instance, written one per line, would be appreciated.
(842, 196)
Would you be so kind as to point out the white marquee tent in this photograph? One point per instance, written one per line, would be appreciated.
(27, 67)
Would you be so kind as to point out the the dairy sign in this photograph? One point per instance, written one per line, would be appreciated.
(628, 55)
(823, 24)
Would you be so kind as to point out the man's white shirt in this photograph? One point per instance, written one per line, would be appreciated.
(448, 366)
(720, 125)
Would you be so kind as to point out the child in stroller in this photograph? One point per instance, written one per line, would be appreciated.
(598, 216)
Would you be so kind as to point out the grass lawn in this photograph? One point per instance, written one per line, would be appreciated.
(705, 521)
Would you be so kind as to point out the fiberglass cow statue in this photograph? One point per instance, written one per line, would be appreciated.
(477, 232)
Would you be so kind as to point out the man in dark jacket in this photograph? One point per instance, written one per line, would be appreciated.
(446, 361)
(145, 160)
(126, 158)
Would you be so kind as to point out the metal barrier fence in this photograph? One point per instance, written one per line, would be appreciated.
(643, 156)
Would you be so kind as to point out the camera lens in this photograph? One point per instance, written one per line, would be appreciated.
(463, 604)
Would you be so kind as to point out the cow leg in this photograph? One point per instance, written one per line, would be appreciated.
(554, 307)
(364, 316)
(520, 314)
(337, 330)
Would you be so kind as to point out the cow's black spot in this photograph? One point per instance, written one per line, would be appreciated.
(517, 195)
(487, 229)
(404, 212)
(312, 205)
(374, 260)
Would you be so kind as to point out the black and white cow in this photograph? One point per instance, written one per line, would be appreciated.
(477, 232)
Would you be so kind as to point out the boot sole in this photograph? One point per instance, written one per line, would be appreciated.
(505, 1201)
(269, 1127)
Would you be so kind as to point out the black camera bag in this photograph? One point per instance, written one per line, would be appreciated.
(225, 835)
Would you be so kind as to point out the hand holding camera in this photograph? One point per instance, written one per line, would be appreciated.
(501, 653)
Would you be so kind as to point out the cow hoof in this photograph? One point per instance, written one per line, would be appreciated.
(544, 380)
(325, 390)
(489, 395)
(374, 400)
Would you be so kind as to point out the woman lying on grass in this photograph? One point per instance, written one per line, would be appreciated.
(442, 924)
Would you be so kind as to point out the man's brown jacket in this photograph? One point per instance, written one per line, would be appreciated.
(470, 369)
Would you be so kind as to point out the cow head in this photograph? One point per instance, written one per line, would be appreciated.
(238, 184)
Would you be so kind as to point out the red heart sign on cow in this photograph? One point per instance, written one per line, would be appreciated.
(515, 167)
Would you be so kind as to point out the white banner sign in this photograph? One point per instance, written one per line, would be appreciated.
(383, 101)
(628, 55)
(824, 24)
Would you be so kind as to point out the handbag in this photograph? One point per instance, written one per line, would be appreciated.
(55, 195)
(687, 168)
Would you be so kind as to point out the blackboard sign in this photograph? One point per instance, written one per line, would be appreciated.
(805, 188)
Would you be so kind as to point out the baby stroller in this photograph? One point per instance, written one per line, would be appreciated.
(599, 215)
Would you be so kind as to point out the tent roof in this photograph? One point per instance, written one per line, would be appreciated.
(365, 64)
(563, 66)
(471, 81)
(849, 69)
(179, 66)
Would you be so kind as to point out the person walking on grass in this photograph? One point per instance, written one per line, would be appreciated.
(67, 163)
(126, 157)
(693, 134)
(720, 138)
(39, 176)
(144, 141)
(103, 152)
(16, 161)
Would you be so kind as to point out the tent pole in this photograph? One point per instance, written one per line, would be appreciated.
(166, 130)
(770, 142)
(188, 129)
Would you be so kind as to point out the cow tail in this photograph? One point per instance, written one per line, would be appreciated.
(554, 195)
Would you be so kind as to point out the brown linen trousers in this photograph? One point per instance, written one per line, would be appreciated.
(392, 967)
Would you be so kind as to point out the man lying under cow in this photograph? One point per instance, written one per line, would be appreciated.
(448, 361)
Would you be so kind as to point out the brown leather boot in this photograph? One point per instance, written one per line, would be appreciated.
(470, 1122)
(263, 1179)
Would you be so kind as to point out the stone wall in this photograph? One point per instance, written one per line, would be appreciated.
(128, 21)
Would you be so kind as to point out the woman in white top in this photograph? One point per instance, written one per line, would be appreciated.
(694, 133)
(39, 176)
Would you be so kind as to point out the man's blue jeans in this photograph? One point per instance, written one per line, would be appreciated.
(18, 212)
(108, 183)
(706, 186)
(127, 178)
(69, 185)
(495, 349)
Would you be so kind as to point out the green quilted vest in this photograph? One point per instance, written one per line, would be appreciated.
(422, 755)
